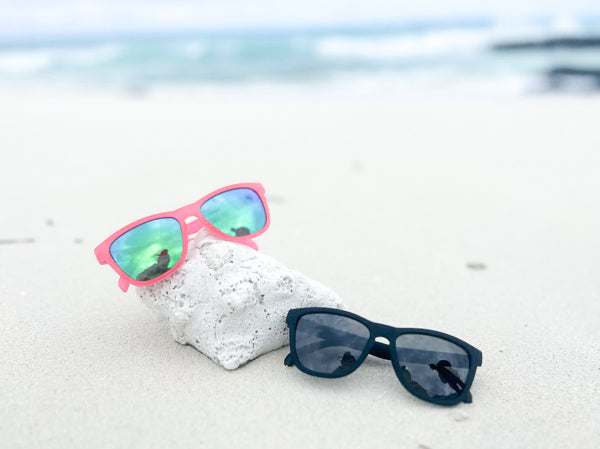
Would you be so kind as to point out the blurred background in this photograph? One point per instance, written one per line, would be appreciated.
(433, 162)
(463, 47)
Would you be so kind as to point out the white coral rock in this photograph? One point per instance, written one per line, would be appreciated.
(230, 302)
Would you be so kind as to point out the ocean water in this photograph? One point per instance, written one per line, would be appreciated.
(423, 57)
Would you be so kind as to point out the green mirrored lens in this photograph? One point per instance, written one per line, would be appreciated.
(236, 212)
(149, 250)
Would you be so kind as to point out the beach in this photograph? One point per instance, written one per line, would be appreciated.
(476, 217)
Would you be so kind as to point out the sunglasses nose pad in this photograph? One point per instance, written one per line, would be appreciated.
(201, 234)
(251, 243)
(123, 284)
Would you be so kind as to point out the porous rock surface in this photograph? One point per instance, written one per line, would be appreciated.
(230, 301)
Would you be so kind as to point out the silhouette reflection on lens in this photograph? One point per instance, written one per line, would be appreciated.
(160, 267)
(438, 368)
(239, 232)
(447, 376)
(414, 385)
(330, 344)
(347, 362)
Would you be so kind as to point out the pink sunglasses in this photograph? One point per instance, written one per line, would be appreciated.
(151, 248)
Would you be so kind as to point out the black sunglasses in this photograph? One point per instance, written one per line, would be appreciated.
(433, 366)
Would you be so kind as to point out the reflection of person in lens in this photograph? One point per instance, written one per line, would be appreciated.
(347, 361)
(240, 231)
(161, 266)
(447, 375)
(412, 384)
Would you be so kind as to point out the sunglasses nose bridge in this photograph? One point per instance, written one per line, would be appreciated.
(194, 223)
(380, 348)
(382, 330)
(192, 217)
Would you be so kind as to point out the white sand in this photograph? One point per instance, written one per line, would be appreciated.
(384, 201)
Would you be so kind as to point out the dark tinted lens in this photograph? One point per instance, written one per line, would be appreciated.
(330, 344)
(432, 366)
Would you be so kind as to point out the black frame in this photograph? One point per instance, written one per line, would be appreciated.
(383, 351)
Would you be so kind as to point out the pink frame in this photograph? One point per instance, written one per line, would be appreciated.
(188, 230)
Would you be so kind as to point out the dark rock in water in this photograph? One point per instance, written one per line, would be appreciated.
(550, 44)
(558, 76)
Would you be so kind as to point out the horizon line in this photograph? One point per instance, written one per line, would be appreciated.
(58, 36)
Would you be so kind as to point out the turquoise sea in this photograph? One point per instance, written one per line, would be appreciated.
(426, 56)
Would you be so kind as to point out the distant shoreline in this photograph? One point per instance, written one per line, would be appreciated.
(431, 57)
(552, 43)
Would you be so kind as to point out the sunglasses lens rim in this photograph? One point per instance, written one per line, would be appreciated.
(241, 231)
(445, 377)
(349, 361)
(157, 253)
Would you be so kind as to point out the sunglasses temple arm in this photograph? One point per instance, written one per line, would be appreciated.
(250, 243)
(288, 360)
